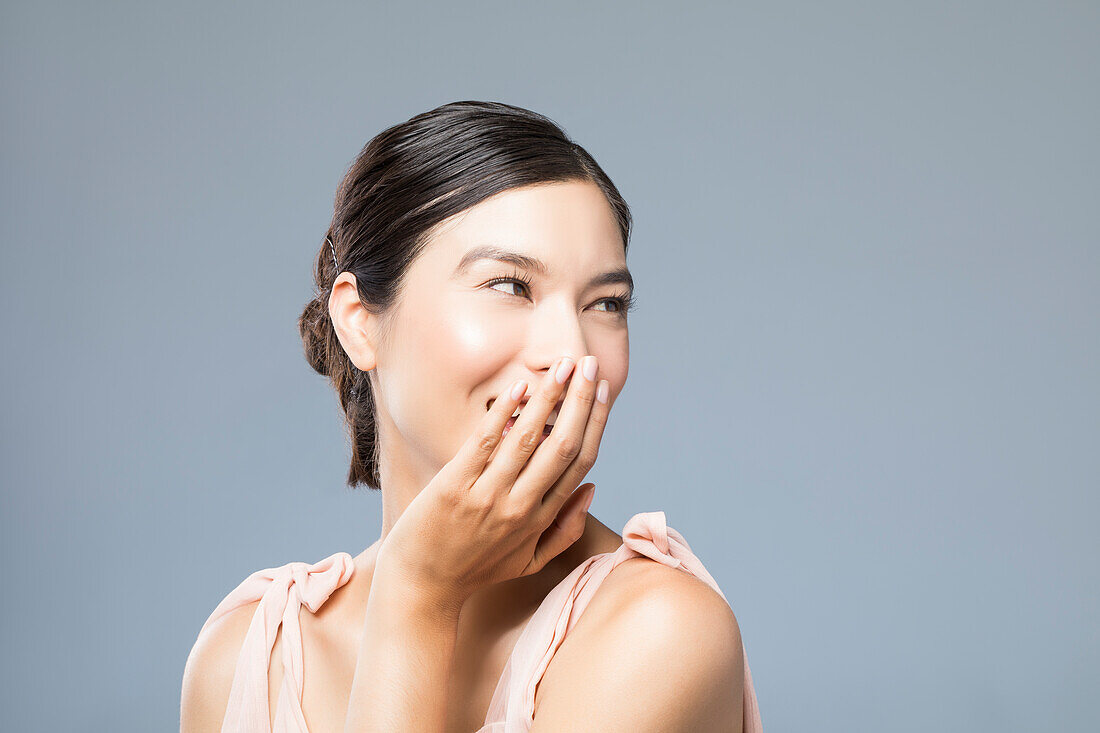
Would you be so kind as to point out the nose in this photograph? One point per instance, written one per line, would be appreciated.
(556, 331)
(564, 336)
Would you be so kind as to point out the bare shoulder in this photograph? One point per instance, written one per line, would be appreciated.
(656, 649)
(666, 604)
(208, 673)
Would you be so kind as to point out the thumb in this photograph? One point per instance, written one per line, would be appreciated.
(576, 510)
(571, 520)
(566, 529)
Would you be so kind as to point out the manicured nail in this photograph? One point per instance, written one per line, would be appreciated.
(588, 367)
(518, 389)
(602, 391)
(588, 501)
(564, 368)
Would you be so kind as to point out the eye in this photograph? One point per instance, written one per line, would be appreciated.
(526, 284)
(624, 302)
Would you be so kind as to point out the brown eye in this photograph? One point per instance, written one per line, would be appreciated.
(624, 303)
(509, 280)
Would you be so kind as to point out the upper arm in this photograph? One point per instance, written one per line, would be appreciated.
(208, 674)
(661, 652)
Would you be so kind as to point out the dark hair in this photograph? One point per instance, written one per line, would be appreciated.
(404, 182)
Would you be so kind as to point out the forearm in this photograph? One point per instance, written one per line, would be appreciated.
(402, 675)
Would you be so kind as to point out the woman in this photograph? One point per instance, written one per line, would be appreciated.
(475, 270)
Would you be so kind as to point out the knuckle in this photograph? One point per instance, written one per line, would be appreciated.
(451, 497)
(478, 508)
(487, 441)
(512, 514)
(567, 447)
(529, 439)
(480, 501)
(588, 458)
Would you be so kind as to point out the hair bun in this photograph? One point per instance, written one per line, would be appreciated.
(316, 330)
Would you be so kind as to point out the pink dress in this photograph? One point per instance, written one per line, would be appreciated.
(283, 591)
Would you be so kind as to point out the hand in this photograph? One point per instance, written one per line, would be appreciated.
(480, 522)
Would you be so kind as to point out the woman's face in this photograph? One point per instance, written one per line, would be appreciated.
(458, 339)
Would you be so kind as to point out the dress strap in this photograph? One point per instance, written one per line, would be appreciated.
(646, 534)
(282, 592)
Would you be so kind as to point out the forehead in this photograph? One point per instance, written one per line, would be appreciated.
(565, 225)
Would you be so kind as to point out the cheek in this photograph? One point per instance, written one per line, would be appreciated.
(426, 386)
(614, 355)
(467, 349)
(457, 355)
(615, 373)
(468, 338)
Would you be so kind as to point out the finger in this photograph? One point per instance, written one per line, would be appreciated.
(524, 437)
(586, 457)
(565, 530)
(469, 462)
(539, 477)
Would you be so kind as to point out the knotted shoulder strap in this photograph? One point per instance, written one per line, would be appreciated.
(646, 534)
(282, 592)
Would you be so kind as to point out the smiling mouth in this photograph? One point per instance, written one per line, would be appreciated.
(552, 418)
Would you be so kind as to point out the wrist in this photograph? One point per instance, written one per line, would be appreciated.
(417, 598)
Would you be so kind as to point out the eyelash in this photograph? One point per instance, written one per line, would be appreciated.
(625, 302)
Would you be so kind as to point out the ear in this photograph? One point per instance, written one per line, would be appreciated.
(355, 325)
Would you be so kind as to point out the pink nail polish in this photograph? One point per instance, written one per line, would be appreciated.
(602, 391)
(518, 389)
(564, 368)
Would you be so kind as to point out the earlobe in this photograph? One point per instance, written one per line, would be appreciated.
(353, 323)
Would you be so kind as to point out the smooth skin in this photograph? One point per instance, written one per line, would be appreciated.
(499, 521)
(417, 639)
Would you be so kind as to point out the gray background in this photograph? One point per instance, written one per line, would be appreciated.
(864, 361)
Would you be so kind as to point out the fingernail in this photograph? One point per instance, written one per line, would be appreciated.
(518, 389)
(564, 368)
(588, 367)
(602, 391)
(588, 501)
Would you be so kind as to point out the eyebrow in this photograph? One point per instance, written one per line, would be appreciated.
(621, 276)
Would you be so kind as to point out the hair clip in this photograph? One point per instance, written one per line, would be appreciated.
(333, 249)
